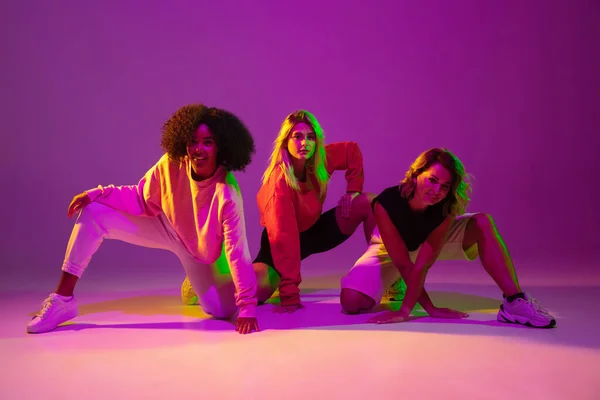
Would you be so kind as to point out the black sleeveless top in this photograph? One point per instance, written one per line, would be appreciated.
(413, 227)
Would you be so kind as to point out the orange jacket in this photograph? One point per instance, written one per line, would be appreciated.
(286, 212)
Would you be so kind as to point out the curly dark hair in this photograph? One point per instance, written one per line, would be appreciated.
(235, 144)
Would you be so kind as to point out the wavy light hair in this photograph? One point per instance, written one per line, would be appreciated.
(458, 196)
(280, 157)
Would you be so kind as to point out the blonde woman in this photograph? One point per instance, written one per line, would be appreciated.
(423, 220)
(291, 199)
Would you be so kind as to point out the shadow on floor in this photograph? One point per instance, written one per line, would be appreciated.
(164, 304)
(322, 311)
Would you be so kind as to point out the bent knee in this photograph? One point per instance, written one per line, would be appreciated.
(355, 302)
(217, 308)
(263, 294)
(268, 280)
(92, 210)
(362, 201)
(359, 210)
(361, 205)
(219, 312)
(370, 197)
(96, 214)
(483, 221)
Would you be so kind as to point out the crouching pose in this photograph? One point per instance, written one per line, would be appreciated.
(291, 199)
(423, 220)
(188, 203)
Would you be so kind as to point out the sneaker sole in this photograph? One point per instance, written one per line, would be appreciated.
(503, 318)
(34, 330)
(392, 298)
(190, 301)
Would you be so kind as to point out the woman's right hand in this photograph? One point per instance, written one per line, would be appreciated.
(246, 325)
(78, 203)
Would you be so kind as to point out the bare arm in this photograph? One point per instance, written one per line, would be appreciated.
(428, 253)
(398, 252)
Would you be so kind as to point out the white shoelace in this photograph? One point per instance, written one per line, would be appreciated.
(46, 306)
(393, 289)
(537, 306)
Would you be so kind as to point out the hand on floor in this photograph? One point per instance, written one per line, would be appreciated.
(246, 325)
(287, 309)
(389, 317)
(438, 312)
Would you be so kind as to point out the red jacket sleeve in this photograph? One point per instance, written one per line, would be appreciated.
(284, 238)
(346, 156)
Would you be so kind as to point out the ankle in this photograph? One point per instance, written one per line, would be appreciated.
(511, 298)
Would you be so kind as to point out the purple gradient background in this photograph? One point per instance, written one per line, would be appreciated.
(511, 87)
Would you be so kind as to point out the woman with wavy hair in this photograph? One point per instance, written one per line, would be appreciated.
(290, 202)
(188, 203)
(423, 220)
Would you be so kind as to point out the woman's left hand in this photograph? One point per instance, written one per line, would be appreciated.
(345, 203)
(246, 325)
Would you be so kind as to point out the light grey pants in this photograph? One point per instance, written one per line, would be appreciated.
(96, 222)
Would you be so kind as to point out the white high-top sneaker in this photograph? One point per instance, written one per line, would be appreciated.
(55, 310)
(526, 312)
(188, 296)
(396, 292)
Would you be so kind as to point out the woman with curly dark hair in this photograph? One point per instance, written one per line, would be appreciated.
(189, 203)
(420, 221)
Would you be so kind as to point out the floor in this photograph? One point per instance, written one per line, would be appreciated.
(143, 343)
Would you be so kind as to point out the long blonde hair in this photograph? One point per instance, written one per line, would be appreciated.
(458, 196)
(280, 157)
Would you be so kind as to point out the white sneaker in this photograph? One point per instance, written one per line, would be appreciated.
(526, 312)
(188, 295)
(396, 291)
(55, 310)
